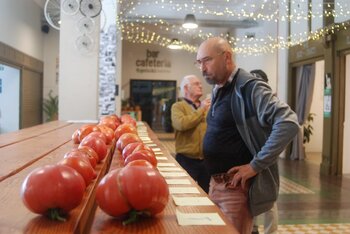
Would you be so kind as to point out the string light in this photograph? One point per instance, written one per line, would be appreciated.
(139, 30)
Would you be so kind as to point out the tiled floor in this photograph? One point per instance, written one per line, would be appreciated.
(308, 203)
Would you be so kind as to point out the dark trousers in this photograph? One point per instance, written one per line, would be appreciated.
(196, 169)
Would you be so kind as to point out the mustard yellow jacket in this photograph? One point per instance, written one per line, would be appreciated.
(190, 126)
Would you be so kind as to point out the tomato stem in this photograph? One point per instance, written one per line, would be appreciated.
(133, 216)
(54, 214)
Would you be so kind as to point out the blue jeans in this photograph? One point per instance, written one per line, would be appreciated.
(196, 169)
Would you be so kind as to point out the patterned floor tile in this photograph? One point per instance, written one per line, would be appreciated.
(289, 187)
(337, 228)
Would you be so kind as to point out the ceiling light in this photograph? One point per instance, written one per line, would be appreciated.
(175, 44)
(190, 22)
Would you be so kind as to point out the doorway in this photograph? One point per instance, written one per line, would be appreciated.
(313, 148)
(9, 99)
(308, 94)
(155, 98)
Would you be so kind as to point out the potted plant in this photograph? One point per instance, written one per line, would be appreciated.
(308, 129)
(50, 107)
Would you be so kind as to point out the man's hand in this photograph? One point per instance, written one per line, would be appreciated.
(241, 174)
(205, 104)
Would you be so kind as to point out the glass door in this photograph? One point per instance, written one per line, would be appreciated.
(155, 98)
(9, 99)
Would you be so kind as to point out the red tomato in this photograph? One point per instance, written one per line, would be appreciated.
(114, 117)
(86, 129)
(83, 155)
(75, 137)
(129, 149)
(126, 118)
(126, 139)
(108, 132)
(133, 147)
(109, 197)
(109, 122)
(100, 135)
(97, 145)
(80, 165)
(132, 188)
(124, 128)
(142, 154)
(140, 163)
(52, 188)
(93, 157)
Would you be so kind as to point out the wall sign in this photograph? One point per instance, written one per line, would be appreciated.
(152, 64)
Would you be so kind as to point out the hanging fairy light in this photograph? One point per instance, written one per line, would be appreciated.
(134, 31)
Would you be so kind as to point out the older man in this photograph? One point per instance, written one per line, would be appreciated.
(247, 128)
(188, 119)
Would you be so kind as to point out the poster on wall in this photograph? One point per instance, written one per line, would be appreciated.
(327, 98)
(108, 50)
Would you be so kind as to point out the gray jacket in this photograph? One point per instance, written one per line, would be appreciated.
(265, 123)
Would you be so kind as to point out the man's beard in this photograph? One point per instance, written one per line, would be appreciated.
(207, 79)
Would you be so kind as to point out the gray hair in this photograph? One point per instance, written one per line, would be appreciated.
(185, 81)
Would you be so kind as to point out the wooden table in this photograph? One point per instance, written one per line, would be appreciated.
(24, 150)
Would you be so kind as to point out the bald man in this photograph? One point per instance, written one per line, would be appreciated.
(247, 128)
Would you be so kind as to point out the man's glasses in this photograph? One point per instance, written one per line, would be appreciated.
(204, 61)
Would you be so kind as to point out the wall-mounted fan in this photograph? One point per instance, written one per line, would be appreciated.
(52, 11)
(70, 7)
(85, 25)
(90, 8)
(84, 44)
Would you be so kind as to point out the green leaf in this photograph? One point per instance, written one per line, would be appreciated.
(50, 106)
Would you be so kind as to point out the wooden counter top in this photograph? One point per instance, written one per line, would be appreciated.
(165, 222)
(24, 150)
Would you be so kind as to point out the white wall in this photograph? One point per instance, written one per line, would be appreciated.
(346, 137)
(20, 24)
(51, 62)
(78, 73)
(265, 61)
(182, 63)
(315, 144)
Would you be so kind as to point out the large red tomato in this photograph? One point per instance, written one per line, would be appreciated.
(93, 157)
(126, 118)
(100, 135)
(108, 132)
(86, 129)
(140, 163)
(83, 155)
(142, 154)
(113, 116)
(124, 128)
(82, 166)
(98, 145)
(110, 122)
(52, 190)
(126, 139)
(132, 188)
(133, 147)
(129, 149)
